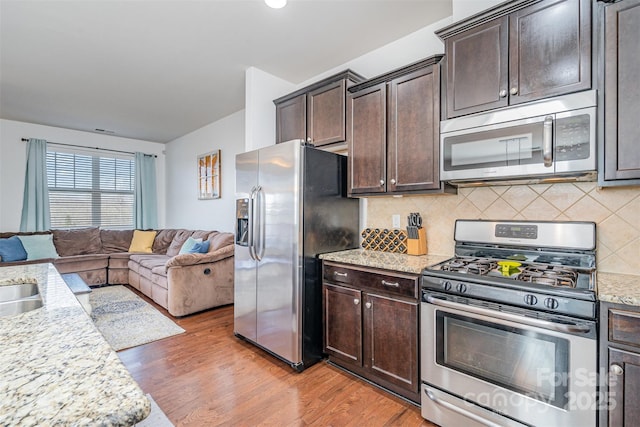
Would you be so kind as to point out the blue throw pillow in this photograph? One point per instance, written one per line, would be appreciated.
(11, 249)
(200, 248)
(188, 245)
(39, 246)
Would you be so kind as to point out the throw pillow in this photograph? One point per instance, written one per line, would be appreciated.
(11, 249)
(39, 246)
(188, 245)
(77, 241)
(200, 248)
(142, 241)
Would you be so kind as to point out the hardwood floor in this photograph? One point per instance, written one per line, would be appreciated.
(208, 377)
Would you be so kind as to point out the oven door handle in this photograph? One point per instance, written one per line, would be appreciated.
(461, 411)
(558, 327)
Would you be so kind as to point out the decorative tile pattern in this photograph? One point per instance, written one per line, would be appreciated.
(616, 211)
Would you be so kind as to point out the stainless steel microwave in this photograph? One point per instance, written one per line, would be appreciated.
(552, 138)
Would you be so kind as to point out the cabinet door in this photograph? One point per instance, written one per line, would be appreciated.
(343, 323)
(326, 107)
(549, 49)
(624, 387)
(291, 119)
(622, 100)
(413, 134)
(391, 340)
(477, 67)
(366, 130)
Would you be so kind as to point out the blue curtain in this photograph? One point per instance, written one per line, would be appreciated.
(145, 209)
(35, 203)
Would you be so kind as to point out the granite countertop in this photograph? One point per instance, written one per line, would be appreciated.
(55, 366)
(619, 288)
(386, 260)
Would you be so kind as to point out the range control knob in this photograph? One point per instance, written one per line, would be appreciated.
(446, 285)
(530, 299)
(462, 288)
(551, 303)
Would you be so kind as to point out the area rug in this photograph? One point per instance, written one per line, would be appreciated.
(126, 320)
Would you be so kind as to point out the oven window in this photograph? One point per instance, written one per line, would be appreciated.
(523, 361)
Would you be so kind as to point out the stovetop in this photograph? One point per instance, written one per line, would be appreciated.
(506, 262)
(536, 273)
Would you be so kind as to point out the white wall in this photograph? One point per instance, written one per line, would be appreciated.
(260, 90)
(465, 8)
(13, 162)
(184, 210)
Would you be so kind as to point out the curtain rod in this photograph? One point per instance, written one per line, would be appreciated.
(93, 148)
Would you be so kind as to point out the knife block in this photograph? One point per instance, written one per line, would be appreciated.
(418, 246)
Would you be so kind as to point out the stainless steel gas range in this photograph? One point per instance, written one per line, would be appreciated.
(508, 327)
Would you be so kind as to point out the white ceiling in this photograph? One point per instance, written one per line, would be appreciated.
(159, 69)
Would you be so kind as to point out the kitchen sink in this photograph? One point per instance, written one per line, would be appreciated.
(16, 292)
(10, 308)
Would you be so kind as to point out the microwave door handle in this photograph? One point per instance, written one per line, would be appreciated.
(545, 324)
(547, 141)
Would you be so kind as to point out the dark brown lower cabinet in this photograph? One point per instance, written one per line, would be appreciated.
(371, 325)
(620, 365)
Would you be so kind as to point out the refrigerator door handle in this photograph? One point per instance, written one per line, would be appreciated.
(257, 223)
(252, 221)
(261, 235)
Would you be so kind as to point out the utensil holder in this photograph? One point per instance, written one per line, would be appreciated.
(418, 246)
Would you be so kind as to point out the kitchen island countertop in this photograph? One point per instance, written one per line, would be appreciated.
(55, 366)
(619, 288)
(386, 260)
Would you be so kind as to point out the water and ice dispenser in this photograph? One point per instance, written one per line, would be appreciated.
(242, 222)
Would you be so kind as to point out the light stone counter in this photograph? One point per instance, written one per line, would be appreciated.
(55, 366)
(386, 260)
(619, 288)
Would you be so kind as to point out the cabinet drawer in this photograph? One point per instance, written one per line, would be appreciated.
(624, 327)
(378, 280)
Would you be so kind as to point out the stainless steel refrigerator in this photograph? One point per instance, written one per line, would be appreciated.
(291, 205)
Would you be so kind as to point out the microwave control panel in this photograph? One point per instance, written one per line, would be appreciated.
(572, 138)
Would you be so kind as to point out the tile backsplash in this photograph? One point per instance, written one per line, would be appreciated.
(616, 211)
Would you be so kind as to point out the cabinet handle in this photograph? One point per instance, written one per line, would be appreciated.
(381, 182)
(503, 93)
(616, 369)
(394, 284)
(356, 301)
(514, 91)
(368, 305)
(337, 273)
(393, 181)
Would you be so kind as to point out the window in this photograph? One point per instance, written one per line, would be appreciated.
(88, 188)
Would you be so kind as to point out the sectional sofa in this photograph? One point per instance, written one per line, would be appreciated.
(183, 283)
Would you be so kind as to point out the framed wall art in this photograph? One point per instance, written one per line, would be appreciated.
(209, 175)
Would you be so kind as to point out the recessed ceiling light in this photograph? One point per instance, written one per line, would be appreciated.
(276, 4)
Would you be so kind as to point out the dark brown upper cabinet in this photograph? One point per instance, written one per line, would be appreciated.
(620, 155)
(517, 52)
(393, 131)
(316, 113)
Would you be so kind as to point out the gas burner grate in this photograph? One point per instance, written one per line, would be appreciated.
(478, 266)
(549, 275)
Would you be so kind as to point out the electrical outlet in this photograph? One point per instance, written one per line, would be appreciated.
(395, 219)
